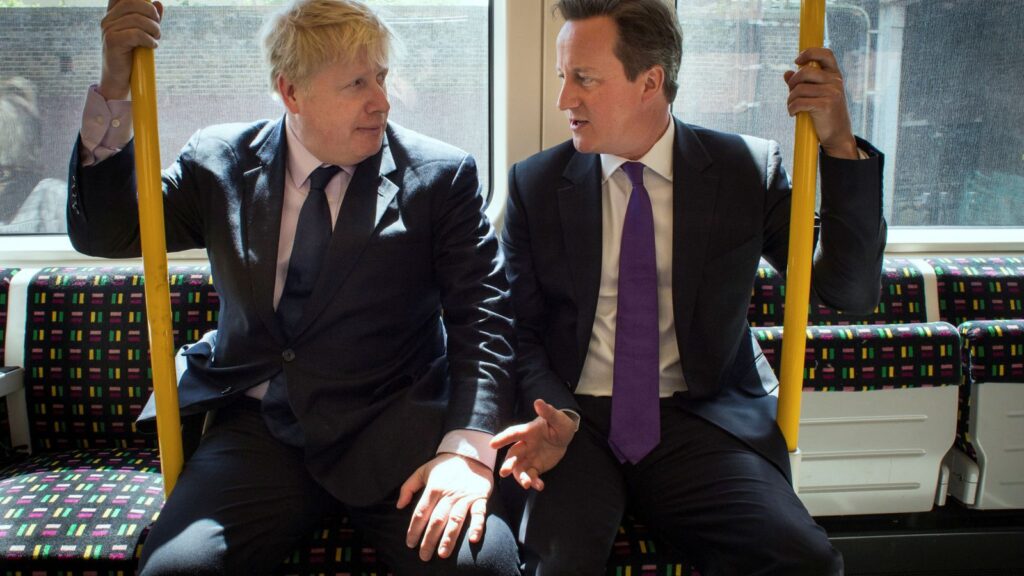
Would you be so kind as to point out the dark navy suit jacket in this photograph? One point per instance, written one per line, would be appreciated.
(731, 206)
(375, 376)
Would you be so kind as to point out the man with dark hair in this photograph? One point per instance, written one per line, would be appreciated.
(632, 251)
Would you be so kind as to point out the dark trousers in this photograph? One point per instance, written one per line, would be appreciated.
(701, 490)
(245, 500)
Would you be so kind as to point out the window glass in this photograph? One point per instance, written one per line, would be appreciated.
(210, 70)
(933, 84)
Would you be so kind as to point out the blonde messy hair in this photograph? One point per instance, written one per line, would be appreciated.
(307, 34)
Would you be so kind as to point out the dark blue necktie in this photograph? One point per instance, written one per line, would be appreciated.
(636, 414)
(312, 237)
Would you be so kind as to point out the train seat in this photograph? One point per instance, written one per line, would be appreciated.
(984, 297)
(92, 484)
(902, 299)
(878, 414)
(84, 498)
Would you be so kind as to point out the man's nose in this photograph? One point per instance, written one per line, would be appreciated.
(378, 103)
(567, 98)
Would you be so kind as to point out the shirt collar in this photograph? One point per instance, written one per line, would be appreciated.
(302, 162)
(658, 158)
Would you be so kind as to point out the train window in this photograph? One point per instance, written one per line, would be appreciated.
(931, 83)
(210, 70)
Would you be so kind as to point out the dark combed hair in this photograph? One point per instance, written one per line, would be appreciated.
(649, 34)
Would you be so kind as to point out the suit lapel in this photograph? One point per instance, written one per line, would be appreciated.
(579, 205)
(263, 201)
(369, 196)
(695, 186)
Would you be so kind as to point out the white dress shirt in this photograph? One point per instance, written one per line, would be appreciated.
(596, 378)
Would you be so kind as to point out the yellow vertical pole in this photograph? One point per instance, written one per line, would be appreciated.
(154, 261)
(801, 243)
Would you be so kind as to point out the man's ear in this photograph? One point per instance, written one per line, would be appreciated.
(287, 91)
(654, 82)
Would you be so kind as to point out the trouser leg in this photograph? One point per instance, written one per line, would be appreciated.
(241, 504)
(569, 527)
(709, 493)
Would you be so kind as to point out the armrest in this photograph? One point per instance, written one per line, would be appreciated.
(12, 387)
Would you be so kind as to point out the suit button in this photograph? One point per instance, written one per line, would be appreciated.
(288, 355)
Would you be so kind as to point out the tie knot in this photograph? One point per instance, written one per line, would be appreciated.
(635, 172)
(321, 176)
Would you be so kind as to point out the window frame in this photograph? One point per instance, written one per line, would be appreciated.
(524, 120)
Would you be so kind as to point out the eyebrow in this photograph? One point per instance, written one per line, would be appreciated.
(576, 70)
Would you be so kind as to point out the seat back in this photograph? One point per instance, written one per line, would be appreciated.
(979, 288)
(87, 344)
(902, 299)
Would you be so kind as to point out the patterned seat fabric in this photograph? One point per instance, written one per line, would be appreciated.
(993, 351)
(876, 357)
(901, 301)
(81, 505)
(87, 373)
(87, 377)
(979, 288)
(636, 552)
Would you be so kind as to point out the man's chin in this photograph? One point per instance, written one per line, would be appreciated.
(584, 145)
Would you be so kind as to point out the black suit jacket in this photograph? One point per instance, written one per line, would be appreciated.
(731, 206)
(375, 377)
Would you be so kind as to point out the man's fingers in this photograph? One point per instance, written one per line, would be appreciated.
(823, 56)
(438, 519)
(410, 487)
(477, 520)
(420, 517)
(528, 477)
(118, 10)
(133, 22)
(508, 436)
(546, 411)
(507, 466)
(456, 518)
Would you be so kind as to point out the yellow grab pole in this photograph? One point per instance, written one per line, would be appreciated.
(154, 261)
(801, 243)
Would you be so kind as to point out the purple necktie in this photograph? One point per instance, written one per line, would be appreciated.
(635, 428)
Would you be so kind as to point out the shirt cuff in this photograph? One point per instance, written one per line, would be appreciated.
(471, 444)
(106, 127)
(574, 416)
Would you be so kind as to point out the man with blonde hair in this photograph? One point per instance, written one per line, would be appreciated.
(335, 239)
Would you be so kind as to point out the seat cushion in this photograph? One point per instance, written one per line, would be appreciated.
(80, 507)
